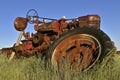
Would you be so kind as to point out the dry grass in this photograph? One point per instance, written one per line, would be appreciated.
(34, 69)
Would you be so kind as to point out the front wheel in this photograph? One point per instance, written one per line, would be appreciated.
(81, 48)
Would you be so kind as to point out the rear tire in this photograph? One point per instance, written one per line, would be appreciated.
(102, 43)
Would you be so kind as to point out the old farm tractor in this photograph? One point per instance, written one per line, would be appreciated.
(79, 41)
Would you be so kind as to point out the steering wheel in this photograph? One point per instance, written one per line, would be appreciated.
(31, 15)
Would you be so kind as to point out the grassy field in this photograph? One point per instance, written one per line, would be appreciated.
(34, 69)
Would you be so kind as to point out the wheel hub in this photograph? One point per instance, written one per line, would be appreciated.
(78, 50)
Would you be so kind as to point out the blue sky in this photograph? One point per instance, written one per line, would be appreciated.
(109, 10)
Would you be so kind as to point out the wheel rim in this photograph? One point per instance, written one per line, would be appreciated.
(81, 50)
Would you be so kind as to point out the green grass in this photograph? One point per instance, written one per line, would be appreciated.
(34, 69)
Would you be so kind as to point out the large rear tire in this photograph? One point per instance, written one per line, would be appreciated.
(82, 47)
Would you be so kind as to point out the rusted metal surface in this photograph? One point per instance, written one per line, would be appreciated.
(28, 48)
(20, 23)
(89, 21)
(6, 51)
(78, 48)
(47, 32)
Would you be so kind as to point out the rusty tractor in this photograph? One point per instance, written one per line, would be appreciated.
(78, 40)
